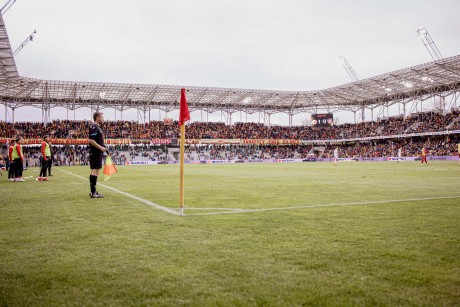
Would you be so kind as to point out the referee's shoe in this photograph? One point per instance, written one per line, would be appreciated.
(96, 195)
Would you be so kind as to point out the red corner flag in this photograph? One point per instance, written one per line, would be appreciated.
(183, 117)
(184, 113)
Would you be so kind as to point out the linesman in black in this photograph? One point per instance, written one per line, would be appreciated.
(97, 148)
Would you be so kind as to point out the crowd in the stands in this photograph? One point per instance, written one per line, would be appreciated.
(440, 146)
(416, 123)
(78, 154)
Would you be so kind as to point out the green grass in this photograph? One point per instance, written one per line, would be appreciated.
(59, 247)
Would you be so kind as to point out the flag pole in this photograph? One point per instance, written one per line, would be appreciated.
(184, 115)
(182, 149)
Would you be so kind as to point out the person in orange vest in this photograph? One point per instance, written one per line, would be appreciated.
(425, 152)
(11, 170)
(18, 158)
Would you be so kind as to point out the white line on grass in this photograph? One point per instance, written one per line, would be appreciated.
(221, 209)
(236, 211)
(165, 209)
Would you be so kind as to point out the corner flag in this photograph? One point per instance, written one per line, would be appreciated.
(184, 116)
(184, 113)
(109, 168)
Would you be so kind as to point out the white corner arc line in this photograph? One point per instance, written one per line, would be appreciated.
(147, 202)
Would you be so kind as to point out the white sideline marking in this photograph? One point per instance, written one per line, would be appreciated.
(235, 211)
(165, 209)
(222, 209)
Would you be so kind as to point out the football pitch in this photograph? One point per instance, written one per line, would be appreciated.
(375, 233)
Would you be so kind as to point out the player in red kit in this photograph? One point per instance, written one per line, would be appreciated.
(425, 152)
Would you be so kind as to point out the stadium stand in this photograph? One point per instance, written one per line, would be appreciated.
(142, 148)
(416, 123)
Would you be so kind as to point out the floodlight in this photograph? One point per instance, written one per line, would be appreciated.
(407, 84)
(426, 39)
(247, 100)
(422, 32)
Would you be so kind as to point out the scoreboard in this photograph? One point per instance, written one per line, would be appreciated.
(322, 120)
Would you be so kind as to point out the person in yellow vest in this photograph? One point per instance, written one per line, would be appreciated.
(46, 158)
(458, 154)
(18, 159)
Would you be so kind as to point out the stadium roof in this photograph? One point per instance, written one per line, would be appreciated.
(8, 70)
(418, 82)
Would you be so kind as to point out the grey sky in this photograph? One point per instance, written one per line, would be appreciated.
(270, 44)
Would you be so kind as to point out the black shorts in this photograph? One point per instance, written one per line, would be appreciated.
(95, 160)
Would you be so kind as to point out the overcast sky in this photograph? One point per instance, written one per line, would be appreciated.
(269, 44)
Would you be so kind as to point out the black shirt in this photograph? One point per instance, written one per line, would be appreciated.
(95, 133)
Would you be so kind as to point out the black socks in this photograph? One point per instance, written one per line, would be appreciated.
(92, 183)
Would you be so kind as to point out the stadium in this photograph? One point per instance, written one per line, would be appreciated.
(321, 213)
